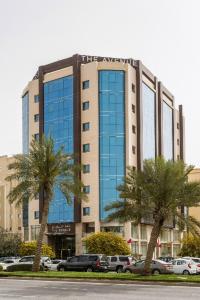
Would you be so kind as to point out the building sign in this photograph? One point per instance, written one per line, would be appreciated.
(63, 228)
(87, 59)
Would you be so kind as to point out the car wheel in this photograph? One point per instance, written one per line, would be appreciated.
(156, 272)
(186, 272)
(89, 269)
(119, 269)
(61, 269)
(128, 271)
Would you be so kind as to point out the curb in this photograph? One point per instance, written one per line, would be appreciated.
(116, 281)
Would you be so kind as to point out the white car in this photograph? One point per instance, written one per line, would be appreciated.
(196, 260)
(54, 264)
(8, 262)
(184, 266)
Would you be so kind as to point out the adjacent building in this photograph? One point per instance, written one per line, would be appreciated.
(112, 113)
(10, 215)
(194, 176)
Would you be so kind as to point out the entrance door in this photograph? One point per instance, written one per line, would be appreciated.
(64, 246)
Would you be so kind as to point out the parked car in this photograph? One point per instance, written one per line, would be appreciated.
(55, 263)
(45, 261)
(157, 267)
(118, 262)
(166, 258)
(3, 258)
(184, 266)
(7, 262)
(85, 262)
(196, 260)
(22, 267)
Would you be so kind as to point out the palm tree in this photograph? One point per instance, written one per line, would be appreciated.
(41, 171)
(158, 191)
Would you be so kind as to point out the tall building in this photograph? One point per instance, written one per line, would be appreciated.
(112, 113)
(10, 215)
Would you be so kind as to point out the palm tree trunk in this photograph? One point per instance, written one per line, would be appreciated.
(36, 264)
(152, 244)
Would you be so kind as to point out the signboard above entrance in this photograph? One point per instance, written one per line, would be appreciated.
(62, 228)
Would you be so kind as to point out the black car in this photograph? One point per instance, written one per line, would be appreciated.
(86, 262)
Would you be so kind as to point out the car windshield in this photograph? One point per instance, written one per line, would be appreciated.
(104, 258)
(93, 258)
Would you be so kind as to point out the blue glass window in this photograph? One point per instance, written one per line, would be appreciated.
(86, 211)
(86, 126)
(86, 169)
(86, 105)
(167, 132)
(25, 123)
(36, 118)
(58, 123)
(86, 148)
(86, 84)
(111, 136)
(149, 119)
(86, 189)
(25, 149)
(36, 98)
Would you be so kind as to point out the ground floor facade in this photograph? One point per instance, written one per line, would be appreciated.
(67, 239)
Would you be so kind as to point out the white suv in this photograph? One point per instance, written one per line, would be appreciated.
(118, 262)
(184, 266)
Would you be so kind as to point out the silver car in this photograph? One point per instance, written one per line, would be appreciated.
(118, 262)
(157, 267)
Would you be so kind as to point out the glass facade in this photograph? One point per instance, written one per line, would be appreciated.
(167, 132)
(58, 123)
(25, 123)
(149, 123)
(25, 150)
(111, 136)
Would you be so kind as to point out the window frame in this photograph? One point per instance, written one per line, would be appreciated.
(85, 84)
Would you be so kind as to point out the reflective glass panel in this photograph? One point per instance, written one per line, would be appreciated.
(111, 136)
(167, 131)
(149, 130)
(58, 123)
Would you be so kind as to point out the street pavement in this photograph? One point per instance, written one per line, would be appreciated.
(74, 290)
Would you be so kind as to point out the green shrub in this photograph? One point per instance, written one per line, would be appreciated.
(107, 243)
(1, 268)
(21, 267)
(29, 248)
(9, 243)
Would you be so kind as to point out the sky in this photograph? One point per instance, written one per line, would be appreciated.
(164, 34)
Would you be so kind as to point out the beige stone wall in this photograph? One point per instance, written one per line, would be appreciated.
(10, 215)
(89, 72)
(195, 176)
(58, 74)
(33, 89)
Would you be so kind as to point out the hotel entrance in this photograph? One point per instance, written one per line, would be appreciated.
(62, 239)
